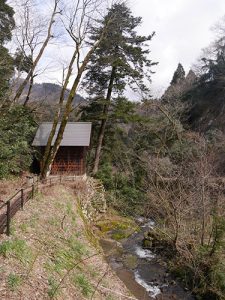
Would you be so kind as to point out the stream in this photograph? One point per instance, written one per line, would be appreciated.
(143, 272)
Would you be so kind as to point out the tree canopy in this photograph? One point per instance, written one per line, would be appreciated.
(6, 62)
(122, 52)
(121, 60)
(179, 75)
(7, 22)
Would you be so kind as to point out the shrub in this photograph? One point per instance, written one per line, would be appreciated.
(16, 248)
(83, 283)
(14, 281)
(17, 128)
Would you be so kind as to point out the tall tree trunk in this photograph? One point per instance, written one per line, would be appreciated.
(36, 61)
(29, 90)
(50, 156)
(104, 121)
(53, 150)
(47, 153)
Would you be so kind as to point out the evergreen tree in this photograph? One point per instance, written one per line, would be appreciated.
(17, 124)
(179, 75)
(179, 87)
(206, 109)
(119, 61)
(17, 127)
(7, 22)
(23, 62)
(6, 61)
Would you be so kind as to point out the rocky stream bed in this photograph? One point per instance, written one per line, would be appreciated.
(143, 272)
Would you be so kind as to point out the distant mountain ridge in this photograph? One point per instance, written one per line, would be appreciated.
(48, 93)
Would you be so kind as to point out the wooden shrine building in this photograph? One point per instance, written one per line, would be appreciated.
(71, 156)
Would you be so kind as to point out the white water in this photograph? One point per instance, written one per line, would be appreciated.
(144, 253)
(141, 219)
(149, 224)
(150, 287)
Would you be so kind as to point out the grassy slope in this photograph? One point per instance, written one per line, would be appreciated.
(49, 254)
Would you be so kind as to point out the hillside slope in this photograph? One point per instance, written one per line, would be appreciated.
(52, 254)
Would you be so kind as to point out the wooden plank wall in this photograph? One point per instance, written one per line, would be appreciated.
(69, 160)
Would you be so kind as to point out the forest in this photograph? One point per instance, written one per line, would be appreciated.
(162, 158)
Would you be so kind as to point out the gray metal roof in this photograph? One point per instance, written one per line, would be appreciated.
(75, 134)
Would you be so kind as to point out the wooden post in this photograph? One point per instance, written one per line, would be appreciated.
(8, 218)
(37, 184)
(22, 198)
(32, 192)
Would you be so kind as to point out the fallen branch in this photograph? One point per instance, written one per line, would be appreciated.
(70, 270)
(100, 280)
(62, 222)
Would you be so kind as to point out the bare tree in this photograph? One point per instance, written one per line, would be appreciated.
(31, 42)
(180, 195)
(77, 24)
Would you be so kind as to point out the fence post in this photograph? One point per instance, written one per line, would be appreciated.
(22, 198)
(32, 192)
(8, 218)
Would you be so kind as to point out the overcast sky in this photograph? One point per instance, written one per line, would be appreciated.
(183, 28)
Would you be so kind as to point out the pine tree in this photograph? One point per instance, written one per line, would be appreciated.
(179, 86)
(7, 22)
(121, 60)
(179, 75)
(6, 61)
(17, 124)
(207, 96)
